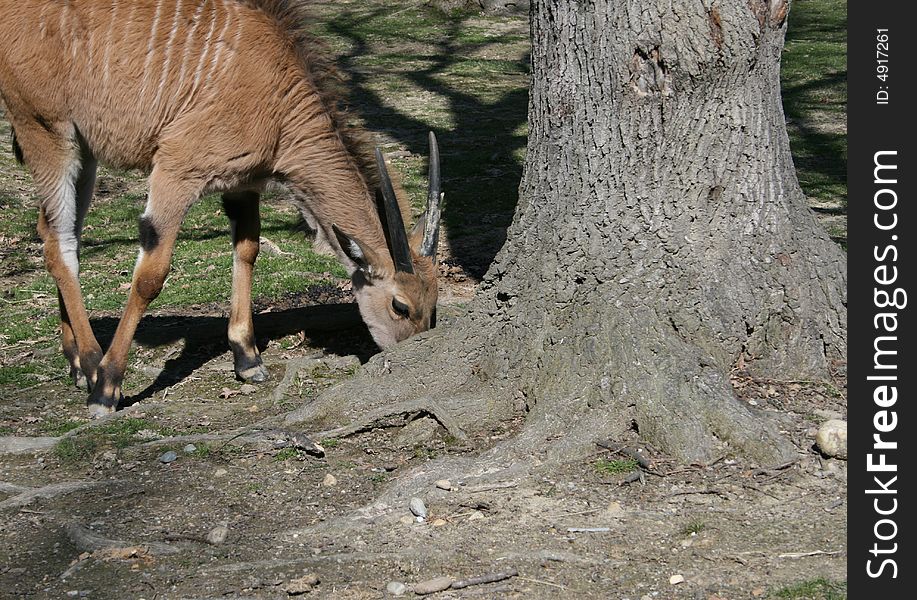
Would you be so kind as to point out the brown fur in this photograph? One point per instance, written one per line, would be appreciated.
(207, 96)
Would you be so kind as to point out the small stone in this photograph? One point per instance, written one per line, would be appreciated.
(189, 449)
(253, 408)
(431, 586)
(329, 480)
(221, 472)
(301, 585)
(676, 579)
(168, 457)
(831, 438)
(406, 520)
(218, 534)
(438, 523)
(396, 588)
(476, 515)
(247, 389)
(418, 509)
(444, 484)
(613, 510)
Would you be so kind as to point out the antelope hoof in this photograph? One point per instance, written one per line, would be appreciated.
(104, 398)
(255, 374)
(79, 379)
(248, 366)
(97, 411)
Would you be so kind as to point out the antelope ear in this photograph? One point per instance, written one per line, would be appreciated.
(366, 260)
(415, 238)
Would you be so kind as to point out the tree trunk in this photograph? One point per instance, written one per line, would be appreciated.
(661, 237)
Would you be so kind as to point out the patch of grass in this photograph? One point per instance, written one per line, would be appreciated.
(119, 434)
(201, 450)
(693, 528)
(616, 466)
(122, 432)
(814, 86)
(424, 453)
(331, 443)
(77, 449)
(814, 589)
(57, 426)
(285, 454)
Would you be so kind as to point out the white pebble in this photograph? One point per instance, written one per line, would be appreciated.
(831, 438)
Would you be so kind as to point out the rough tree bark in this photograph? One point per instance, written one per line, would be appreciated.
(660, 238)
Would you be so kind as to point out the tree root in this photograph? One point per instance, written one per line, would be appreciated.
(408, 407)
(25, 445)
(29, 495)
(88, 541)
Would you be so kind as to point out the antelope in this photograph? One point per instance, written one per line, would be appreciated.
(207, 96)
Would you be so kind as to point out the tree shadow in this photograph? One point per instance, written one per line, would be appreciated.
(481, 171)
(815, 84)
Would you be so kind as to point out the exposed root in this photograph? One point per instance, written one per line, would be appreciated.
(366, 422)
(88, 541)
(12, 488)
(49, 491)
(268, 439)
(25, 445)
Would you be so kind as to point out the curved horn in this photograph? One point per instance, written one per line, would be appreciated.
(397, 236)
(434, 201)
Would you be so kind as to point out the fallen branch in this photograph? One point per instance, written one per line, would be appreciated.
(716, 492)
(482, 579)
(805, 554)
(504, 485)
(542, 582)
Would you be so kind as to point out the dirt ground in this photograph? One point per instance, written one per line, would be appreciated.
(101, 515)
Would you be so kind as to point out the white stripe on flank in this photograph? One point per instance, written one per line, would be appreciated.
(219, 43)
(167, 62)
(236, 39)
(113, 18)
(66, 36)
(198, 72)
(150, 49)
(189, 39)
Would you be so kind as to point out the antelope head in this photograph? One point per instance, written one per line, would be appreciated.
(397, 293)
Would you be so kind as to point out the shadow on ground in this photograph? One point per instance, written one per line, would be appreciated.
(484, 136)
(330, 329)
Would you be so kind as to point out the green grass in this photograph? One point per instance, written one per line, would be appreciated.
(285, 454)
(57, 426)
(693, 528)
(814, 83)
(616, 466)
(117, 435)
(815, 589)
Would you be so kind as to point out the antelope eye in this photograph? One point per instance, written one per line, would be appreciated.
(401, 308)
